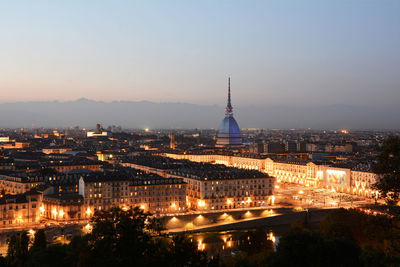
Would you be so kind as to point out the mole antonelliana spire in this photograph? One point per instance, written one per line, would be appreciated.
(229, 105)
(229, 131)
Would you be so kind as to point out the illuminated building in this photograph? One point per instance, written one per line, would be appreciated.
(99, 132)
(212, 187)
(4, 139)
(58, 150)
(298, 172)
(63, 207)
(229, 131)
(20, 209)
(14, 145)
(76, 164)
(229, 193)
(154, 193)
(159, 196)
(18, 185)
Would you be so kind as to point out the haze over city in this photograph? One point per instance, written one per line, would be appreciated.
(284, 57)
(199, 133)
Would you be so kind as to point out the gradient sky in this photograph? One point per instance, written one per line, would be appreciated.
(279, 53)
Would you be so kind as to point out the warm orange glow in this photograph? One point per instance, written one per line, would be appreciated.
(201, 203)
(248, 214)
(88, 211)
(54, 212)
(88, 228)
(271, 237)
(201, 246)
(61, 213)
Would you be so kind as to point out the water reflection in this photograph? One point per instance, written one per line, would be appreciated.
(226, 243)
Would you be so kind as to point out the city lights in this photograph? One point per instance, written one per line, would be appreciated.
(88, 212)
(201, 203)
(54, 212)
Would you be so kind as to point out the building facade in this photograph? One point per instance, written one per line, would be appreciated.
(299, 172)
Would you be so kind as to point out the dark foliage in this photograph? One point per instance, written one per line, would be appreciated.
(387, 165)
(119, 238)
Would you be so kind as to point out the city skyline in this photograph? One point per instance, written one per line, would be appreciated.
(279, 54)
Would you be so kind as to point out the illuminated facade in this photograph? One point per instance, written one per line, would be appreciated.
(306, 173)
(154, 194)
(204, 194)
(55, 150)
(68, 207)
(18, 185)
(20, 209)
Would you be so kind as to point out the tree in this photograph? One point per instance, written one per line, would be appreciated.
(17, 252)
(54, 255)
(305, 248)
(40, 240)
(122, 238)
(387, 166)
(184, 252)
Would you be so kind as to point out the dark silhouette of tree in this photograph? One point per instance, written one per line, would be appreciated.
(184, 252)
(374, 257)
(54, 255)
(387, 166)
(357, 226)
(40, 240)
(120, 238)
(12, 250)
(305, 248)
(17, 252)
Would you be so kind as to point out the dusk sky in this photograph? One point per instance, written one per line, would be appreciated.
(279, 53)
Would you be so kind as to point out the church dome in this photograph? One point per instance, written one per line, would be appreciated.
(229, 131)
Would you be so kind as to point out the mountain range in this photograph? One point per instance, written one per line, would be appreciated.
(141, 114)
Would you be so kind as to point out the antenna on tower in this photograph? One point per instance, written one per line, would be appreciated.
(229, 105)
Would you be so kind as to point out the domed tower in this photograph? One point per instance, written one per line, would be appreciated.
(229, 131)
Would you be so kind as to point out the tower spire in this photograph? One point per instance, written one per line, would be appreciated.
(229, 105)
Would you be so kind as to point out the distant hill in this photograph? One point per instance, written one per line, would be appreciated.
(128, 114)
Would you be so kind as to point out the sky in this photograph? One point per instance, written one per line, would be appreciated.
(278, 53)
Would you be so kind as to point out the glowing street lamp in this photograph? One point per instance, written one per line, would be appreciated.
(54, 212)
(88, 211)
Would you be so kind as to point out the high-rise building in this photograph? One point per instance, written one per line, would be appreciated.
(229, 131)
